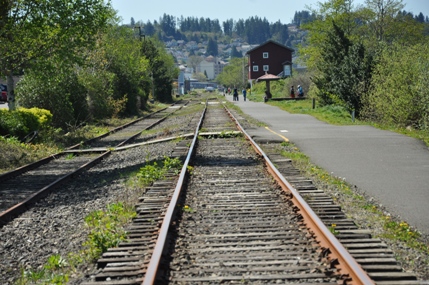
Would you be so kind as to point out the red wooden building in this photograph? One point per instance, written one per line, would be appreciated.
(270, 58)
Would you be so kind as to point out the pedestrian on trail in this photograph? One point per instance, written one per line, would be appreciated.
(292, 92)
(300, 91)
(244, 93)
(235, 95)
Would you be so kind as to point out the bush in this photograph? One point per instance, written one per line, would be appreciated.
(20, 122)
(400, 95)
(54, 88)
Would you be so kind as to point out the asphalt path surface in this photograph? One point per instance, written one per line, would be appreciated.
(391, 168)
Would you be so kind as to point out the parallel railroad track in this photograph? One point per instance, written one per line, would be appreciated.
(24, 186)
(232, 224)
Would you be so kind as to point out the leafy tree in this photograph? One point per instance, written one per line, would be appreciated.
(343, 55)
(382, 15)
(202, 77)
(194, 61)
(234, 74)
(54, 86)
(30, 31)
(339, 11)
(107, 85)
(383, 21)
(162, 69)
(123, 59)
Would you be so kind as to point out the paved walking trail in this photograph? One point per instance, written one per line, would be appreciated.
(392, 168)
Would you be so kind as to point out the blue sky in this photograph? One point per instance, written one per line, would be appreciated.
(222, 10)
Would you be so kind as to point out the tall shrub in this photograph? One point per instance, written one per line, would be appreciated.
(344, 72)
(55, 87)
(400, 94)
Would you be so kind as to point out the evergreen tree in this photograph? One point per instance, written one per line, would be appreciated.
(279, 32)
(149, 29)
(168, 25)
(420, 18)
(235, 52)
(345, 71)
(239, 28)
(212, 48)
(228, 26)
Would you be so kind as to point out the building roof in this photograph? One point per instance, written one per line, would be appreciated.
(267, 42)
(267, 77)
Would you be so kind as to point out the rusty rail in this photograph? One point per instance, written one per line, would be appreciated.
(160, 243)
(347, 264)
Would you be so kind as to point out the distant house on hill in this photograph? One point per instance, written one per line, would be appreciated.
(211, 67)
(270, 57)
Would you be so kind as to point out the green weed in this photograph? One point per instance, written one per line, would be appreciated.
(333, 230)
(53, 272)
(403, 232)
(188, 209)
(153, 172)
(70, 156)
(106, 228)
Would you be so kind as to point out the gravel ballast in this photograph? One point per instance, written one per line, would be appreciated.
(55, 225)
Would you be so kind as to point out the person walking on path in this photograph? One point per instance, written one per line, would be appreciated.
(235, 95)
(300, 91)
(292, 92)
(244, 93)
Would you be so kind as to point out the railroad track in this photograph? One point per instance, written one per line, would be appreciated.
(372, 254)
(20, 188)
(232, 223)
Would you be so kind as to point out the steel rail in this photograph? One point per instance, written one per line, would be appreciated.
(152, 268)
(117, 129)
(21, 207)
(347, 264)
(13, 173)
(147, 128)
(33, 165)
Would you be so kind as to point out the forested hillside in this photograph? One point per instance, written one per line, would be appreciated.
(254, 30)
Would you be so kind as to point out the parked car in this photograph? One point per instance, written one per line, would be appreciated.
(3, 90)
